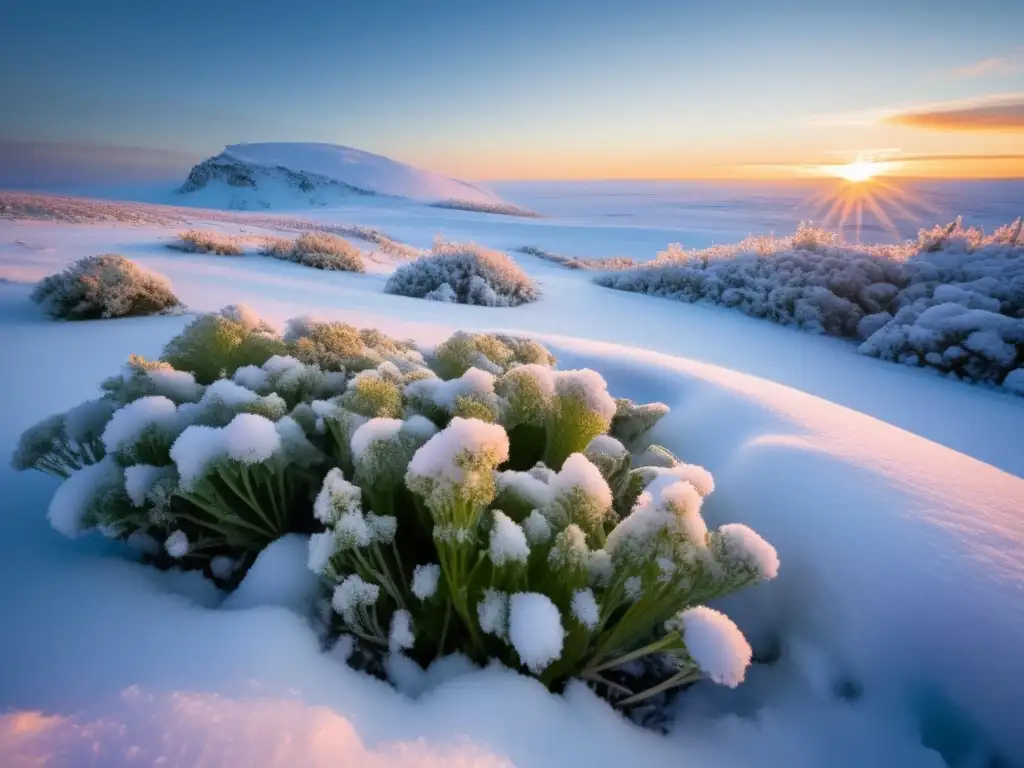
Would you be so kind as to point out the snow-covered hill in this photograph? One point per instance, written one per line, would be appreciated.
(296, 174)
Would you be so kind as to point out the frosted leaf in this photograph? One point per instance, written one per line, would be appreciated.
(535, 630)
(177, 545)
(400, 636)
(130, 421)
(585, 608)
(508, 541)
(424, 580)
(492, 613)
(634, 587)
(715, 644)
(87, 420)
(537, 528)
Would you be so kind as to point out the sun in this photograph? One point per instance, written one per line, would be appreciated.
(858, 171)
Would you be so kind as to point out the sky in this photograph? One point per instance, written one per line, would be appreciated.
(534, 89)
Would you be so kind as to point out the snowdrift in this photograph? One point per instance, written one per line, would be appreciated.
(296, 174)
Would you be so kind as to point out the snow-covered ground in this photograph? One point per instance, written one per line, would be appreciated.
(894, 499)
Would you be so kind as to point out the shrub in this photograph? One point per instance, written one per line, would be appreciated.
(464, 273)
(953, 300)
(432, 529)
(319, 250)
(103, 287)
(205, 241)
(500, 209)
(610, 263)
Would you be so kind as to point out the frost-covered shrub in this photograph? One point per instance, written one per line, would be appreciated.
(102, 287)
(217, 345)
(464, 273)
(334, 345)
(491, 514)
(320, 250)
(488, 352)
(881, 295)
(207, 241)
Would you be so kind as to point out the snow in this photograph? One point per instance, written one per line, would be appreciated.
(525, 486)
(588, 386)
(585, 608)
(193, 452)
(360, 169)
(508, 541)
(535, 629)
(177, 545)
(425, 579)
(139, 480)
(537, 527)
(372, 431)
(70, 502)
(744, 544)
(436, 458)
(400, 634)
(279, 577)
(352, 594)
(579, 473)
(250, 438)
(444, 393)
(715, 644)
(892, 496)
(229, 393)
(130, 421)
(492, 613)
(606, 445)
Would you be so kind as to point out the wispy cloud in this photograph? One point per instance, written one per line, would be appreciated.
(996, 65)
(999, 111)
(1004, 114)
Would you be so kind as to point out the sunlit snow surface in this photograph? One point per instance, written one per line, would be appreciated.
(894, 499)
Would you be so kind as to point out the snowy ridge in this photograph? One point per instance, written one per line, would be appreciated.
(296, 174)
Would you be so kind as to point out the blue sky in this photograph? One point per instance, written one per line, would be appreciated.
(556, 88)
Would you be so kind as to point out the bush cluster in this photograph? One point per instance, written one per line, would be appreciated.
(571, 262)
(320, 250)
(104, 286)
(464, 273)
(953, 300)
(207, 241)
(476, 501)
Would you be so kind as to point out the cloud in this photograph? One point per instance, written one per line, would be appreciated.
(1006, 115)
(996, 65)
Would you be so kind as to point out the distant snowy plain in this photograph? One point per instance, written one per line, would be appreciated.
(895, 500)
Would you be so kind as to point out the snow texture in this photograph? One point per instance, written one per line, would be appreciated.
(130, 421)
(715, 644)
(579, 474)
(492, 613)
(177, 545)
(278, 576)
(438, 458)
(585, 608)
(400, 634)
(508, 541)
(535, 629)
(372, 431)
(537, 527)
(424, 580)
(139, 480)
(71, 501)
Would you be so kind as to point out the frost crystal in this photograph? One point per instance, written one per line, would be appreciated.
(443, 457)
(336, 497)
(352, 595)
(400, 636)
(585, 609)
(424, 580)
(508, 541)
(715, 644)
(251, 439)
(535, 629)
(177, 544)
